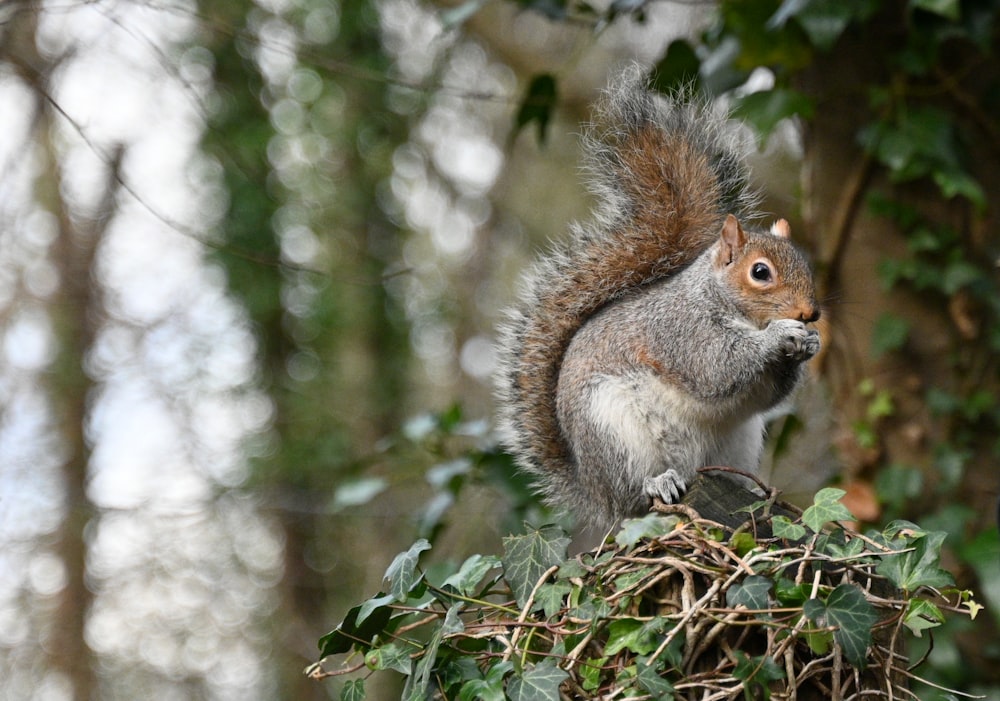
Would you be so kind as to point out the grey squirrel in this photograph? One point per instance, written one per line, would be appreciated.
(655, 339)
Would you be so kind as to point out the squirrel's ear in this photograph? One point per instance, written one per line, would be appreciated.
(782, 229)
(732, 238)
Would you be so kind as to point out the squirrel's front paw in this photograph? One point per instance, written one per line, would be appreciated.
(797, 342)
(667, 486)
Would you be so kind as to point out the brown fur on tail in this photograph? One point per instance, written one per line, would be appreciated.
(665, 171)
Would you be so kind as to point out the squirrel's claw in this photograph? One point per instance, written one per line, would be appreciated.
(667, 486)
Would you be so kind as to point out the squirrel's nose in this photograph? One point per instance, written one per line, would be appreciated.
(808, 313)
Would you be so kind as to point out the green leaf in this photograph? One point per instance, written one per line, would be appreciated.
(835, 545)
(641, 637)
(889, 334)
(402, 573)
(959, 274)
(354, 633)
(898, 484)
(758, 672)
(752, 593)
(916, 564)
(394, 655)
(954, 182)
(649, 678)
(677, 69)
(742, 543)
(552, 597)
(949, 9)
(590, 673)
(826, 508)
(539, 682)
(649, 526)
(922, 615)
(847, 609)
(880, 406)
(452, 621)
(982, 553)
(825, 20)
(358, 492)
(353, 690)
(418, 682)
(471, 573)
(782, 527)
(490, 688)
(527, 557)
(538, 104)
(766, 108)
(788, 593)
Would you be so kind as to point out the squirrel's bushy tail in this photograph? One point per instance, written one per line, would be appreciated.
(666, 171)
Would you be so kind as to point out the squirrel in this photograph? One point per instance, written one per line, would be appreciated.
(655, 340)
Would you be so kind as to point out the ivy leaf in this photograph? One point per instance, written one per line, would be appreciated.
(538, 104)
(539, 682)
(471, 573)
(551, 597)
(825, 20)
(954, 182)
(649, 679)
(846, 609)
(490, 688)
(949, 9)
(394, 655)
(353, 632)
(590, 674)
(527, 557)
(766, 108)
(758, 672)
(917, 563)
(826, 507)
(751, 593)
(402, 573)
(838, 547)
(897, 484)
(357, 492)
(921, 615)
(742, 543)
(788, 593)
(649, 526)
(959, 274)
(641, 637)
(982, 554)
(452, 622)
(353, 690)
(678, 68)
(889, 334)
(782, 527)
(419, 681)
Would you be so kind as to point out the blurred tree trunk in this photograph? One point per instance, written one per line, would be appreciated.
(75, 312)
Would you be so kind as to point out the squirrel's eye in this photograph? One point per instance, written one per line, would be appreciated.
(760, 272)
